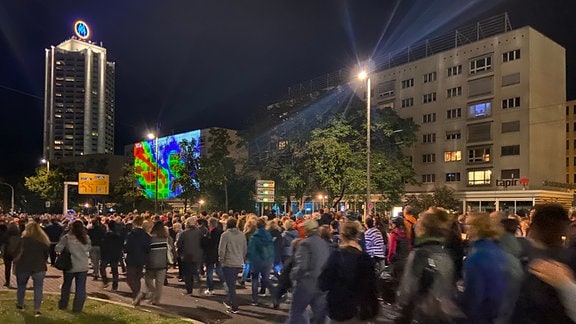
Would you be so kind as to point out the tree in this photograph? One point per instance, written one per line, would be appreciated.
(187, 171)
(127, 193)
(49, 186)
(440, 197)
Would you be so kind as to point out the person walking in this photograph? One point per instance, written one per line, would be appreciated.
(190, 251)
(157, 262)
(30, 262)
(96, 233)
(310, 258)
(77, 242)
(211, 255)
(261, 256)
(232, 251)
(12, 239)
(54, 231)
(111, 253)
(137, 248)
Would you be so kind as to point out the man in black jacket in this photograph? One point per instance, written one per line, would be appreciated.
(96, 233)
(137, 248)
(54, 231)
(211, 255)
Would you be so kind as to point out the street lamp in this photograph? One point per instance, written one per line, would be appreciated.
(322, 198)
(363, 75)
(11, 197)
(45, 161)
(200, 203)
(154, 137)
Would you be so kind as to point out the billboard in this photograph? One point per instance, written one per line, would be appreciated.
(146, 160)
(92, 184)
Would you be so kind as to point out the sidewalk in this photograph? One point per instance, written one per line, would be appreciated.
(206, 309)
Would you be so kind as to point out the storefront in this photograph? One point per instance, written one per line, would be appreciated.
(511, 200)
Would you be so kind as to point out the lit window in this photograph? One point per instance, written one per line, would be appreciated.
(479, 177)
(482, 109)
(282, 144)
(453, 177)
(451, 156)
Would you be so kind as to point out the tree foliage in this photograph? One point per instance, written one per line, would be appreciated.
(442, 196)
(187, 172)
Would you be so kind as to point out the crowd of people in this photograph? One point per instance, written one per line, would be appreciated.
(434, 266)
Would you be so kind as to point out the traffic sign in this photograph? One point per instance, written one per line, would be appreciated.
(265, 190)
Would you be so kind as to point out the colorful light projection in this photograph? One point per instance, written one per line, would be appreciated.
(145, 161)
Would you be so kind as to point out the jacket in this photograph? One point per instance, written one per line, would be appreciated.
(399, 246)
(54, 232)
(158, 256)
(33, 256)
(111, 248)
(287, 237)
(261, 247)
(486, 281)
(310, 258)
(212, 242)
(96, 234)
(278, 245)
(78, 251)
(232, 248)
(190, 245)
(137, 247)
(349, 278)
(375, 246)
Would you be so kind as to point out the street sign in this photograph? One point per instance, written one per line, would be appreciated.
(93, 184)
(265, 190)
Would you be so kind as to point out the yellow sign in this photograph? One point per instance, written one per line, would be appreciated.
(93, 184)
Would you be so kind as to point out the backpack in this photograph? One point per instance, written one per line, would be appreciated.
(402, 249)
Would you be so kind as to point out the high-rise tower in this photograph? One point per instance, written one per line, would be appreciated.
(78, 98)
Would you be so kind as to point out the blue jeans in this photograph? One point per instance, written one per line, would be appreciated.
(301, 298)
(230, 277)
(245, 271)
(80, 290)
(38, 281)
(260, 270)
(210, 268)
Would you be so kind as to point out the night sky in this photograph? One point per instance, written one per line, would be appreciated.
(192, 64)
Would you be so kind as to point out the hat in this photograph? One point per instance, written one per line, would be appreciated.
(299, 214)
(398, 221)
(310, 225)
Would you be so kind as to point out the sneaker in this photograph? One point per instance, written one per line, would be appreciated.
(232, 311)
(37, 314)
(254, 303)
(226, 305)
(208, 292)
(262, 294)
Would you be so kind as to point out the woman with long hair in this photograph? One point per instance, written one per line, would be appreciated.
(157, 262)
(77, 242)
(30, 261)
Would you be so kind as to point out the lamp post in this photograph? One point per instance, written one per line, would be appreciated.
(200, 203)
(11, 197)
(45, 161)
(154, 137)
(363, 75)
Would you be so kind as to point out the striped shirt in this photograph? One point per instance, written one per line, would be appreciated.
(375, 246)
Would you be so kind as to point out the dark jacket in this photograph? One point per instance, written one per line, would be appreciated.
(287, 237)
(158, 259)
(278, 245)
(96, 234)
(111, 248)
(137, 247)
(189, 245)
(261, 247)
(54, 232)
(33, 256)
(11, 244)
(349, 278)
(211, 245)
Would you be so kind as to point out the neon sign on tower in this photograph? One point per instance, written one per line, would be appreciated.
(81, 30)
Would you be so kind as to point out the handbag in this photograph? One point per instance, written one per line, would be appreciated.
(64, 259)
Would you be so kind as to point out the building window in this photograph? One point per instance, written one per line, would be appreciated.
(479, 155)
(510, 150)
(429, 138)
(511, 56)
(408, 102)
(451, 156)
(282, 144)
(455, 70)
(481, 109)
(479, 177)
(454, 92)
(510, 174)
(409, 83)
(454, 113)
(453, 135)
(429, 158)
(453, 177)
(429, 77)
(510, 127)
(429, 118)
(481, 64)
(428, 178)
(429, 97)
(511, 103)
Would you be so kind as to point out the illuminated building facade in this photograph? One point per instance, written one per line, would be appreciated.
(79, 99)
